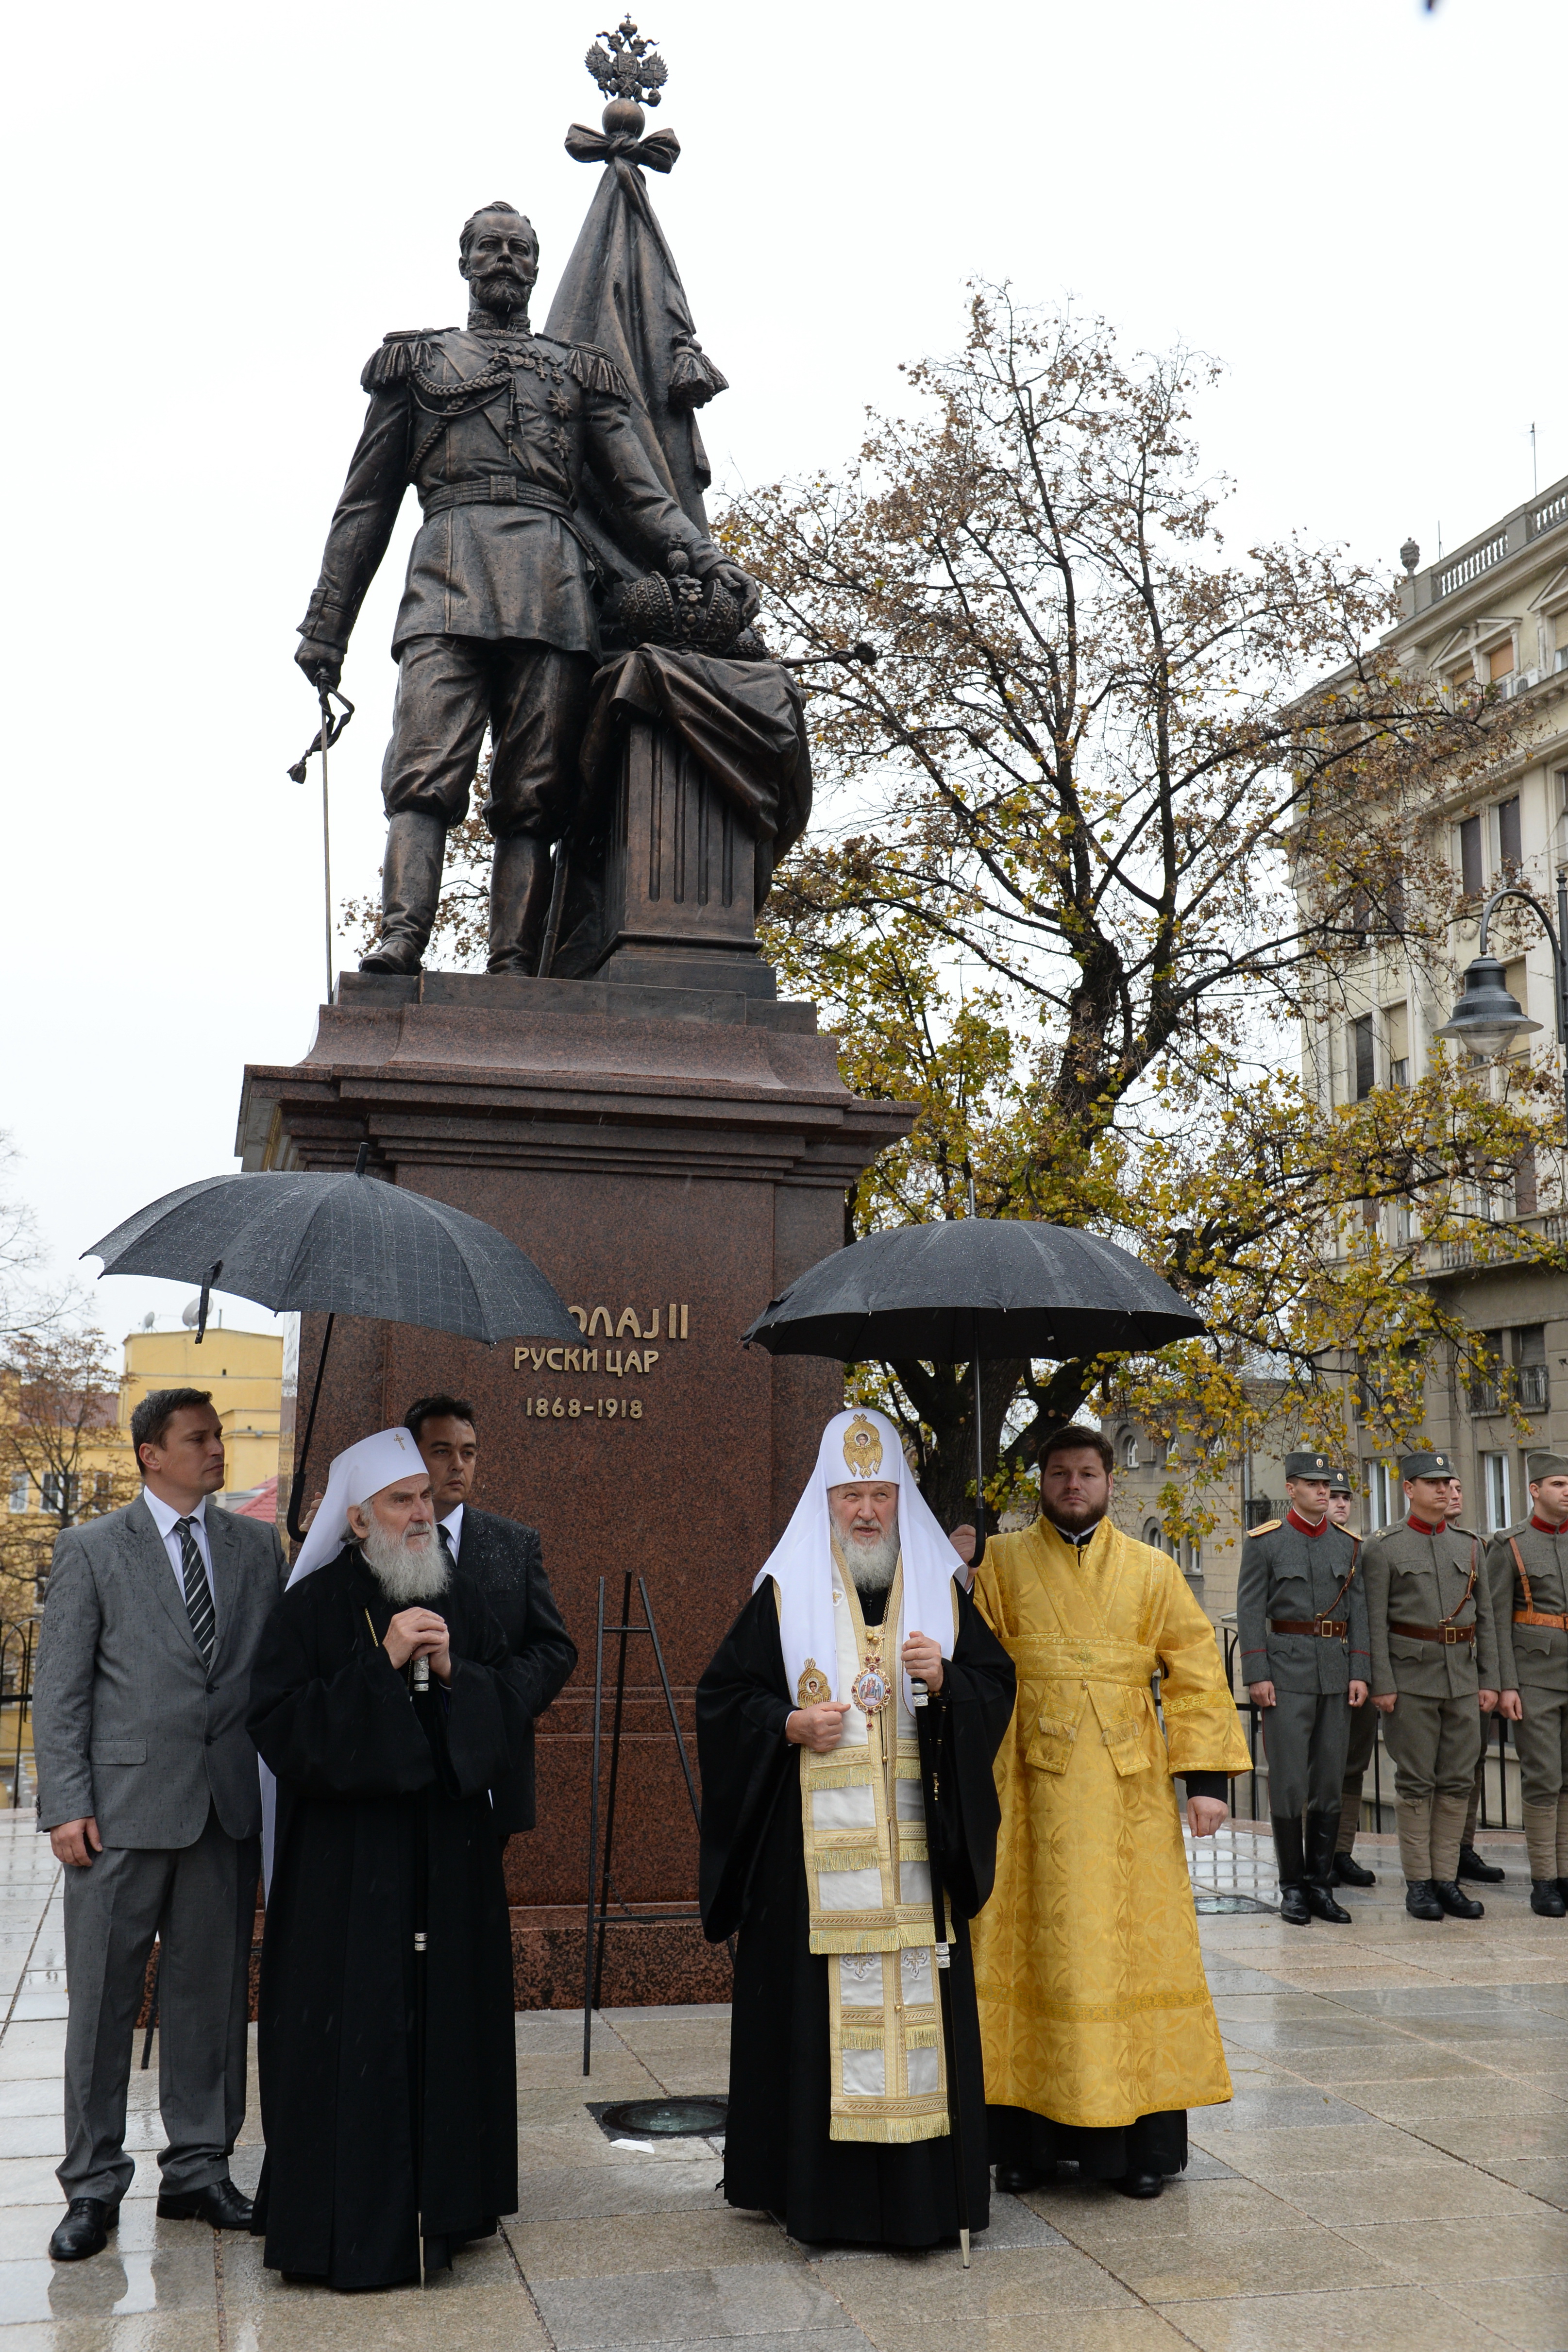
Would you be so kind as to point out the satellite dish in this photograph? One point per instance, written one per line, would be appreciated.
(148, 1321)
(191, 1315)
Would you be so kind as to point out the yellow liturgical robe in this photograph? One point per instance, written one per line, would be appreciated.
(1093, 2005)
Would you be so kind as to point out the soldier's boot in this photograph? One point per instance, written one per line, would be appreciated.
(1541, 1845)
(1470, 1864)
(1413, 1815)
(411, 890)
(1346, 1869)
(1295, 1908)
(1321, 1831)
(1447, 1825)
(521, 875)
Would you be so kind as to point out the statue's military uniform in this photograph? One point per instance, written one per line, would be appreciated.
(1527, 1569)
(1429, 1618)
(494, 427)
(1301, 1619)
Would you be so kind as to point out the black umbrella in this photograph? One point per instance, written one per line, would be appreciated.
(971, 1289)
(339, 1244)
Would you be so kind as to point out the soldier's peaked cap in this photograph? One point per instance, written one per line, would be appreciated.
(1308, 1465)
(1430, 1464)
(1546, 1465)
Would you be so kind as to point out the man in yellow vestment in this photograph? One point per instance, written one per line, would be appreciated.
(1095, 2017)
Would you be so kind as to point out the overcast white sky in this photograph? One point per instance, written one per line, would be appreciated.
(215, 214)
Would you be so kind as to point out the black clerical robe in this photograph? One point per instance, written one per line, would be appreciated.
(384, 1827)
(778, 2156)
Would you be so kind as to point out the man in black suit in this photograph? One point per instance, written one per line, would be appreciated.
(506, 1561)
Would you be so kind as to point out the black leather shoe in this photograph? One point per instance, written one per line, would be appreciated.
(1294, 1909)
(1472, 1866)
(1140, 2184)
(1546, 1898)
(1420, 1900)
(1349, 1872)
(1014, 2178)
(219, 2202)
(1455, 1901)
(1322, 1905)
(85, 2230)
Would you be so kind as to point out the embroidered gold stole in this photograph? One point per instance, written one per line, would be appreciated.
(869, 1890)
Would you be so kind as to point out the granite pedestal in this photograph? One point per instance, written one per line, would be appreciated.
(671, 1157)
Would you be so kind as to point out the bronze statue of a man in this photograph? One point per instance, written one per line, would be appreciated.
(493, 424)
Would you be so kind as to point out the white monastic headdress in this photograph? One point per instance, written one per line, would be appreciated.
(356, 1474)
(857, 1447)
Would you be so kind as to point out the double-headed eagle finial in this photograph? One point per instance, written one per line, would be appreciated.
(626, 66)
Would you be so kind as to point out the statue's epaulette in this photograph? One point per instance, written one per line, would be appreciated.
(1265, 1527)
(595, 370)
(397, 356)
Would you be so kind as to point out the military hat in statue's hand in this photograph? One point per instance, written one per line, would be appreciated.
(1308, 1465)
(1430, 1464)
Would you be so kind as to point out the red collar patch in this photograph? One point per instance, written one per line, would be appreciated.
(1305, 1526)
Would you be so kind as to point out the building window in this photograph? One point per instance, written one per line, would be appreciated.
(1386, 1498)
(1509, 849)
(1530, 1367)
(1484, 1374)
(1154, 1535)
(21, 1488)
(1471, 878)
(1129, 1451)
(1494, 1483)
(60, 1492)
(1397, 1030)
(1361, 1051)
(1499, 662)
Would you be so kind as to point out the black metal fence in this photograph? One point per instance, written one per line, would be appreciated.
(17, 1644)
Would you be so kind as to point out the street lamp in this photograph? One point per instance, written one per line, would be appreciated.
(1487, 1018)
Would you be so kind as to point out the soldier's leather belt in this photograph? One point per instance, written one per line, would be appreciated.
(1328, 1629)
(1450, 1636)
(1540, 1617)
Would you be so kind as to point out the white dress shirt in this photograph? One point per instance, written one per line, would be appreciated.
(165, 1518)
(453, 1523)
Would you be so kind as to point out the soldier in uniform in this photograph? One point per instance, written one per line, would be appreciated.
(1363, 1740)
(1487, 1873)
(1434, 1674)
(1527, 1567)
(1302, 1626)
(493, 424)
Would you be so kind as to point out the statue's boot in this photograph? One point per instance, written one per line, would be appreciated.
(411, 890)
(520, 877)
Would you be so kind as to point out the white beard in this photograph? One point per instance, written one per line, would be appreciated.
(873, 1564)
(405, 1572)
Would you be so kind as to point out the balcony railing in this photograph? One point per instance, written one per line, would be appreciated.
(1548, 514)
(1470, 566)
(1535, 1388)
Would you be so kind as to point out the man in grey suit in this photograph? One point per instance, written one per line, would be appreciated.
(149, 1788)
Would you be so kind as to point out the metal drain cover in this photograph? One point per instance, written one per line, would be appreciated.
(1208, 1905)
(667, 2118)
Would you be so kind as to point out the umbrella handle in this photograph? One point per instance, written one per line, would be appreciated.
(979, 1552)
(297, 1489)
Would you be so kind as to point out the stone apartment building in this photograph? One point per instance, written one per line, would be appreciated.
(1492, 612)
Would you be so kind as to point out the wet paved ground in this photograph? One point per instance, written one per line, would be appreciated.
(1392, 2172)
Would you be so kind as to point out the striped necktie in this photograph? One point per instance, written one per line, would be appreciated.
(198, 1592)
(444, 1532)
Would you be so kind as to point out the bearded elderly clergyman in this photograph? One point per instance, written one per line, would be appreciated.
(378, 2131)
(814, 1848)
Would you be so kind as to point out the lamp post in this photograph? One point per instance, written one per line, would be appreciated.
(1487, 1018)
